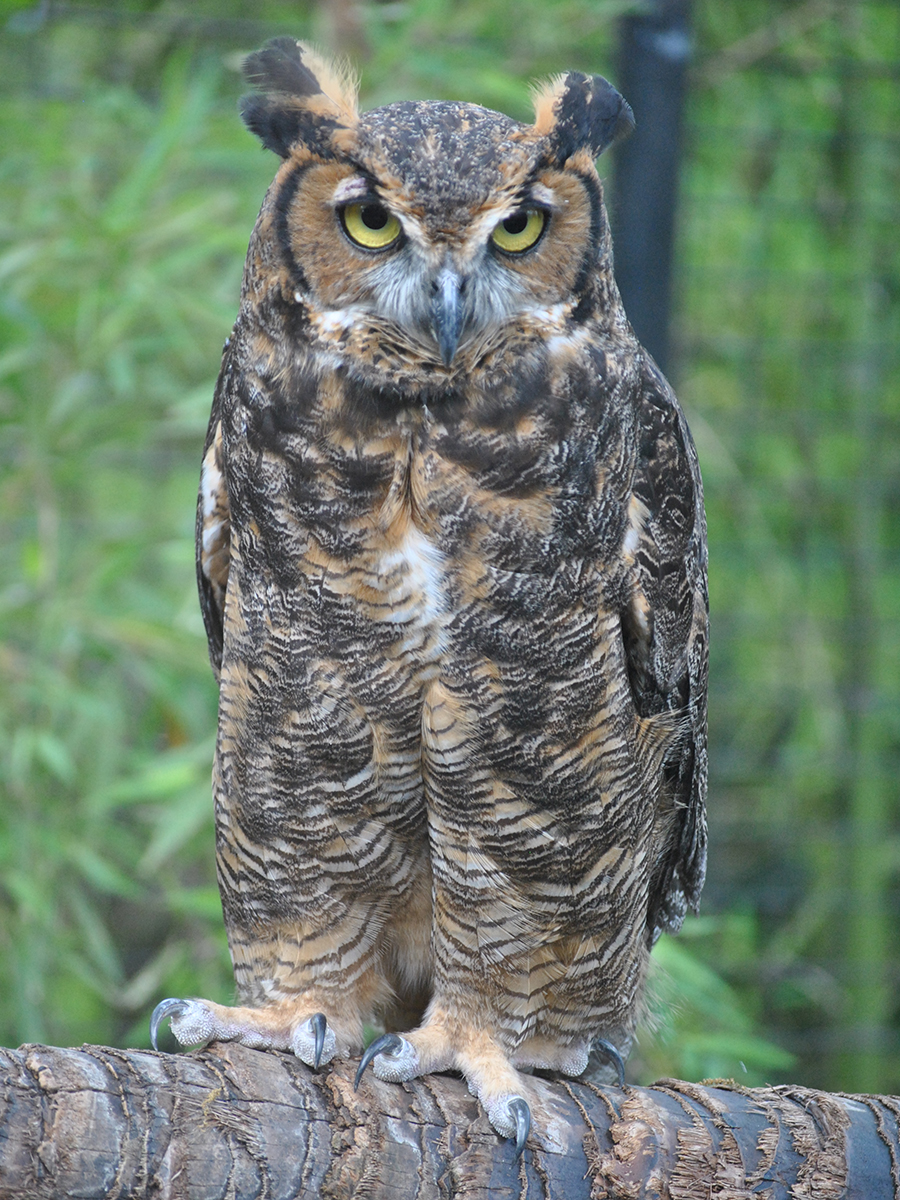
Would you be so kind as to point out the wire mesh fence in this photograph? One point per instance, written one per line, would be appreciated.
(787, 328)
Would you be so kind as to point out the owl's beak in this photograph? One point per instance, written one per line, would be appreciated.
(447, 315)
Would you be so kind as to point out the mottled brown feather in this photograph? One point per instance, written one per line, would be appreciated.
(458, 611)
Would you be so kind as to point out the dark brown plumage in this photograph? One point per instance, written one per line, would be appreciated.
(452, 563)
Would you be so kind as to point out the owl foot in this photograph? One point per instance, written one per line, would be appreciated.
(396, 1059)
(197, 1022)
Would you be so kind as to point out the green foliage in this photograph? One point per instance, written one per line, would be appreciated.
(125, 226)
(127, 193)
(791, 374)
(699, 1026)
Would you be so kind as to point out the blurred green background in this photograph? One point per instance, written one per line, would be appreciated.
(128, 189)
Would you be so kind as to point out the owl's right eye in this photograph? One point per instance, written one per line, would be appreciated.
(520, 231)
(370, 225)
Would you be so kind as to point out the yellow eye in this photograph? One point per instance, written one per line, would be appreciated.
(370, 225)
(520, 230)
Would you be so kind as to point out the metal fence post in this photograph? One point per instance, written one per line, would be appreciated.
(654, 49)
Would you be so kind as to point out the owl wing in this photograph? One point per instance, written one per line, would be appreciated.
(666, 639)
(213, 527)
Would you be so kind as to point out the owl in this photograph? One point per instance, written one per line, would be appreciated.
(452, 564)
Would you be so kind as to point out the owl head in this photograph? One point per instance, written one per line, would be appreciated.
(424, 230)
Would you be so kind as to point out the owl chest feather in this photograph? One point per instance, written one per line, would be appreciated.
(425, 518)
(411, 574)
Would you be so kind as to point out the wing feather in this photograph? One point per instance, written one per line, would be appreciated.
(213, 529)
(666, 637)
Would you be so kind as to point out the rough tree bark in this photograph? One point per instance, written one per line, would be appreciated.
(233, 1122)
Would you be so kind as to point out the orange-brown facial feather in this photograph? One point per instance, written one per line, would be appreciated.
(545, 97)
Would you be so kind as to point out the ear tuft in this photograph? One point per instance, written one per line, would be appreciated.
(580, 112)
(304, 98)
(279, 67)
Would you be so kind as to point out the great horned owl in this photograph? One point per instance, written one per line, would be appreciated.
(452, 563)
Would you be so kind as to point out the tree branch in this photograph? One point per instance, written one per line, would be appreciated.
(233, 1122)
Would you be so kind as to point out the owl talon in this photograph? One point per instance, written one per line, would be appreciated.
(319, 1025)
(614, 1057)
(388, 1043)
(164, 1010)
(400, 1061)
(510, 1115)
(313, 1042)
(522, 1115)
(187, 1018)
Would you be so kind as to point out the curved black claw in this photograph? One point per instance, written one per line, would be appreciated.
(614, 1057)
(522, 1113)
(320, 1025)
(163, 1011)
(388, 1043)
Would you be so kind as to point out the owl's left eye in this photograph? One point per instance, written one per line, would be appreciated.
(520, 230)
(370, 225)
